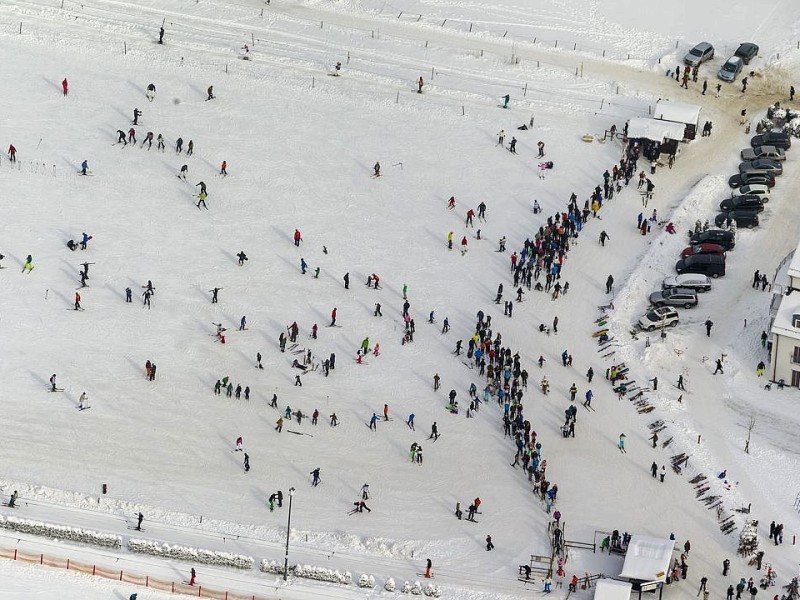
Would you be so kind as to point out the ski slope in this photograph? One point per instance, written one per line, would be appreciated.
(300, 147)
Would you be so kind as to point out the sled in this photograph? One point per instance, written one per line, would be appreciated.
(599, 332)
(588, 138)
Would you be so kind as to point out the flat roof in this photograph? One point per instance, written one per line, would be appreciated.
(611, 589)
(653, 129)
(782, 325)
(648, 558)
(679, 112)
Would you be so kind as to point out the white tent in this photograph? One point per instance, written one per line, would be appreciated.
(655, 130)
(679, 112)
(610, 589)
(647, 559)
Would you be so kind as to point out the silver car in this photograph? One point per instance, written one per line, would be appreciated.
(731, 69)
(693, 281)
(763, 152)
(752, 189)
(699, 54)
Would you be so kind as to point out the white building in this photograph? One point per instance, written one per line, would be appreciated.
(785, 329)
(686, 114)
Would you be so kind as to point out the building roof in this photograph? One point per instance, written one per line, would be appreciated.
(610, 589)
(647, 558)
(794, 265)
(782, 325)
(653, 129)
(679, 112)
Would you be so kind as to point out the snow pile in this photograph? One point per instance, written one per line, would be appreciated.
(389, 586)
(271, 566)
(323, 574)
(366, 581)
(432, 591)
(409, 588)
(208, 557)
(72, 534)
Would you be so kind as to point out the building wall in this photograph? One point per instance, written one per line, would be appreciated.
(785, 360)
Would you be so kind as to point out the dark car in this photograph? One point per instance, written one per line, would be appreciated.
(702, 249)
(712, 265)
(772, 138)
(726, 239)
(674, 297)
(747, 52)
(761, 165)
(741, 179)
(754, 203)
(742, 218)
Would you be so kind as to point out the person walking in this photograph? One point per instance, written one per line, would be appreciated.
(489, 544)
(708, 325)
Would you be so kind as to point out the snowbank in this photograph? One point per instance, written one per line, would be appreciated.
(72, 534)
(208, 557)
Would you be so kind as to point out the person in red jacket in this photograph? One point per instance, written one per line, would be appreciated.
(65, 86)
(77, 301)
(297, 237)
(12, 153)
(333, 317)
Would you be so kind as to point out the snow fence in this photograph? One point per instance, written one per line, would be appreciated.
(62, 532)
(199, 555)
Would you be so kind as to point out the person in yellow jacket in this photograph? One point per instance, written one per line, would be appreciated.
(28, 266)
(450, 241)
(202, 199)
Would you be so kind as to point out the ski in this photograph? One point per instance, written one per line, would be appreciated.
(9, 506)
(84, 408)
(299, 433)
(49, 389)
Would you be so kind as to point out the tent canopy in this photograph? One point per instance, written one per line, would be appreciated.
(610, 589)
(679, 112)
(647, 558)
(653, 129)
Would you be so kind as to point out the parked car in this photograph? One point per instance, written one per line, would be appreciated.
(747, 52)
(731, 69)
(674, 297)
(692, 281)
(726, 239)
(772, 138)
(712, 265)
(741, 179)
(754, 203)
(752, 189)
(665, 316)
(763, 152)
(699, 54)
(761, 165)
(706, 248)
(742, 218)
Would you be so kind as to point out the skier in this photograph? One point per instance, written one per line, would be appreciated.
(132, 136)
(242, 257)
(161, 35)
(298, 238)
(214, 294)
(373, 422)
(540, 145)
(85, 167)
(315, 481)
(78, 301)
(420, 83)
(238, 447)
(65, 86)
(151, 92)
(377, 169)
(609, 284)
(192, 576)
(512, 146)
(83, 401)
(333, 317)
(719, 367)
(621, 444)
(202, 200)
(223, 170)
(489, 544)
(160, 140)
(179, 145)
(121, 137)
(436, 380)
(680, 383)
(603, 237)
(588, 402)
(246, 462)
(210, 93)
(28, 266)
(136, 114)
(434, 432)
(428, 566)
(140, 518)
(12, 501)
(53, 383)
(243, 324)
(410, 422)
(365, 491)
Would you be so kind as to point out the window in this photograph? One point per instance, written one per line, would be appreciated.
(796, 355)
(795, 378)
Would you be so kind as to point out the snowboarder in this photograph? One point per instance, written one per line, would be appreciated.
(151, 92)
(12, 501)
(315, 481)
(65, 86)
(83, 401)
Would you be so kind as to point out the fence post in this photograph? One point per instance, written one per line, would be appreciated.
(462, 111)
(226, 67)
(41, 559)
(125, 47)
(147, 581)
(120, 574)
(94, 569)
(575, 46)
(15, 554)
(397, 100)
(525, 91)
(67, 564)
(556, 46)
(400, 15)
(348, 57)
(602, 101)
(443, 22)
(312, 87)
(432, 71)
(320, 24)
(20, 27)
(470, 27)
